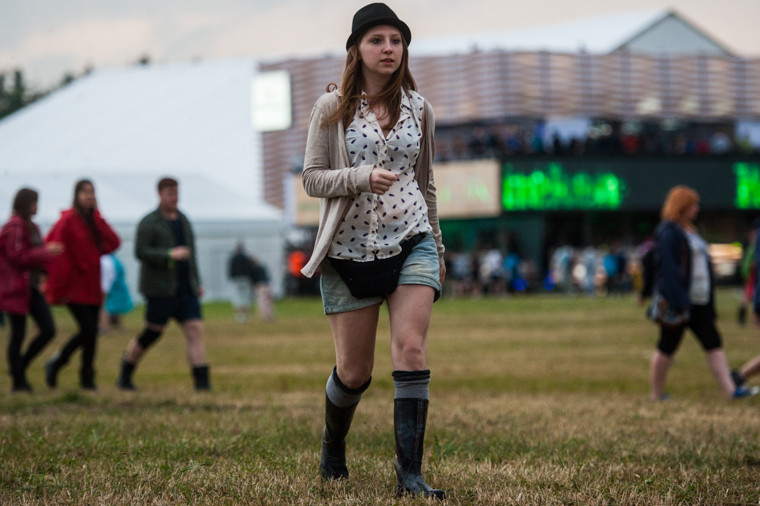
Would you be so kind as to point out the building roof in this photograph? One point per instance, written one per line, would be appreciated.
(645, 31)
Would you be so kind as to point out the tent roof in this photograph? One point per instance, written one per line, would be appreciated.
(597, 34)
(125, 198)
(178, 119)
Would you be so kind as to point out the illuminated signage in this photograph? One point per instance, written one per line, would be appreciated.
(467, 189)
(747, 185)
(552, 187)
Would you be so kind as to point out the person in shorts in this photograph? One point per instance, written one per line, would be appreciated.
(169, 280)
(369, 154)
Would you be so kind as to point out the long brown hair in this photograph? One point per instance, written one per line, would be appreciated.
(87, 214)
(22, 203)
(678, 200)
(351, 87)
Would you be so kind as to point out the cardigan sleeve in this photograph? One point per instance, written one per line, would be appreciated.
(320, 179)
(427, 151)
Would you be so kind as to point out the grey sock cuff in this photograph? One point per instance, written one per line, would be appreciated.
(412, 384)
(340, 395)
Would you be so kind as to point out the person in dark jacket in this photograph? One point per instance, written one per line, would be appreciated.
(169, 280)
(23, 257)
(74, 278)
(239, 272)
(684, 295)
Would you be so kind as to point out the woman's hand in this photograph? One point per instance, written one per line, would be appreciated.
(380, 180)
(54, 248)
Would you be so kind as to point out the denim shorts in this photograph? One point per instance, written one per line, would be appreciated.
(421, 267)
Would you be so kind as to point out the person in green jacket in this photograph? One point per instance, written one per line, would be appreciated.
(169, 280)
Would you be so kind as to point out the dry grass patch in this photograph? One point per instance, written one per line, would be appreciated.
(534, 400)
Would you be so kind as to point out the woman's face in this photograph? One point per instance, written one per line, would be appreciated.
(33, 208)
(381, 50)
(691, 212)
(86, 197)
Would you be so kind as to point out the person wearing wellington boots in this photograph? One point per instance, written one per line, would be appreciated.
(369, 154)
(169, 279)
(74, 278)
(23, 258)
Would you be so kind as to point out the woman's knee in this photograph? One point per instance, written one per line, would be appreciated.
(413, 352)
(354, 375)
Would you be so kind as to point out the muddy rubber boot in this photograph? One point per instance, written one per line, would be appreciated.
(124, 381)
(409, 422)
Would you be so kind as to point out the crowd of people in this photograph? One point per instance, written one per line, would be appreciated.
(369, 154)
(505, 139)
(74, 266)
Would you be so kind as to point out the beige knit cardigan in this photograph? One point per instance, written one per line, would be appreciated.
(328, 175)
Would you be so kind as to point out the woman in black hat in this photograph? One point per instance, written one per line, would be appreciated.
(369, 156)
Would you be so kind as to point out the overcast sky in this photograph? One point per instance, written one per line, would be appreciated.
(47, 38)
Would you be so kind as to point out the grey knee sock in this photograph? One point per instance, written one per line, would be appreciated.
(412, 384)
(340, 395)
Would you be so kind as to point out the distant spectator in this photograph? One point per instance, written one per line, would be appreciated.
(118, 301)
(260, 282)
(239, 272)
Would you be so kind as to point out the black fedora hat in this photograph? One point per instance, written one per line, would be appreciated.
(372, 15)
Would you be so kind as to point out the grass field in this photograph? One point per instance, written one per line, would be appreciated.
(534, 400)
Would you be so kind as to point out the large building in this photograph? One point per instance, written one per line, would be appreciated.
(568, 134)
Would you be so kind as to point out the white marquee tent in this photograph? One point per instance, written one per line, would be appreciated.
(126, 128)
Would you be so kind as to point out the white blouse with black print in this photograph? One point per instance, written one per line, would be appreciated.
(375, 225)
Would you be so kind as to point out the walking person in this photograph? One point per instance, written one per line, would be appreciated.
(369, 154)
(684, 294)
(23, 257)
(239, 272)
(752, 367)
(74, 278)
(169, 280)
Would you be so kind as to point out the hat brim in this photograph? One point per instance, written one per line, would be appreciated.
(395, 22)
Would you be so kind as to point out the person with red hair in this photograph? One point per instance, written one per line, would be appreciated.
(684, 295)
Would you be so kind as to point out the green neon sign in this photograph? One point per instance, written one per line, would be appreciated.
(747, 185)
(554, 188)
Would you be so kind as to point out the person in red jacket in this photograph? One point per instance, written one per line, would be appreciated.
(74, 278)
(23, 257)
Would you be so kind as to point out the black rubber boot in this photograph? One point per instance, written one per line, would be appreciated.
(200, 377)
(87, 379)
(332, 465)
(409, 421)
(52, 367)
(124, 381)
